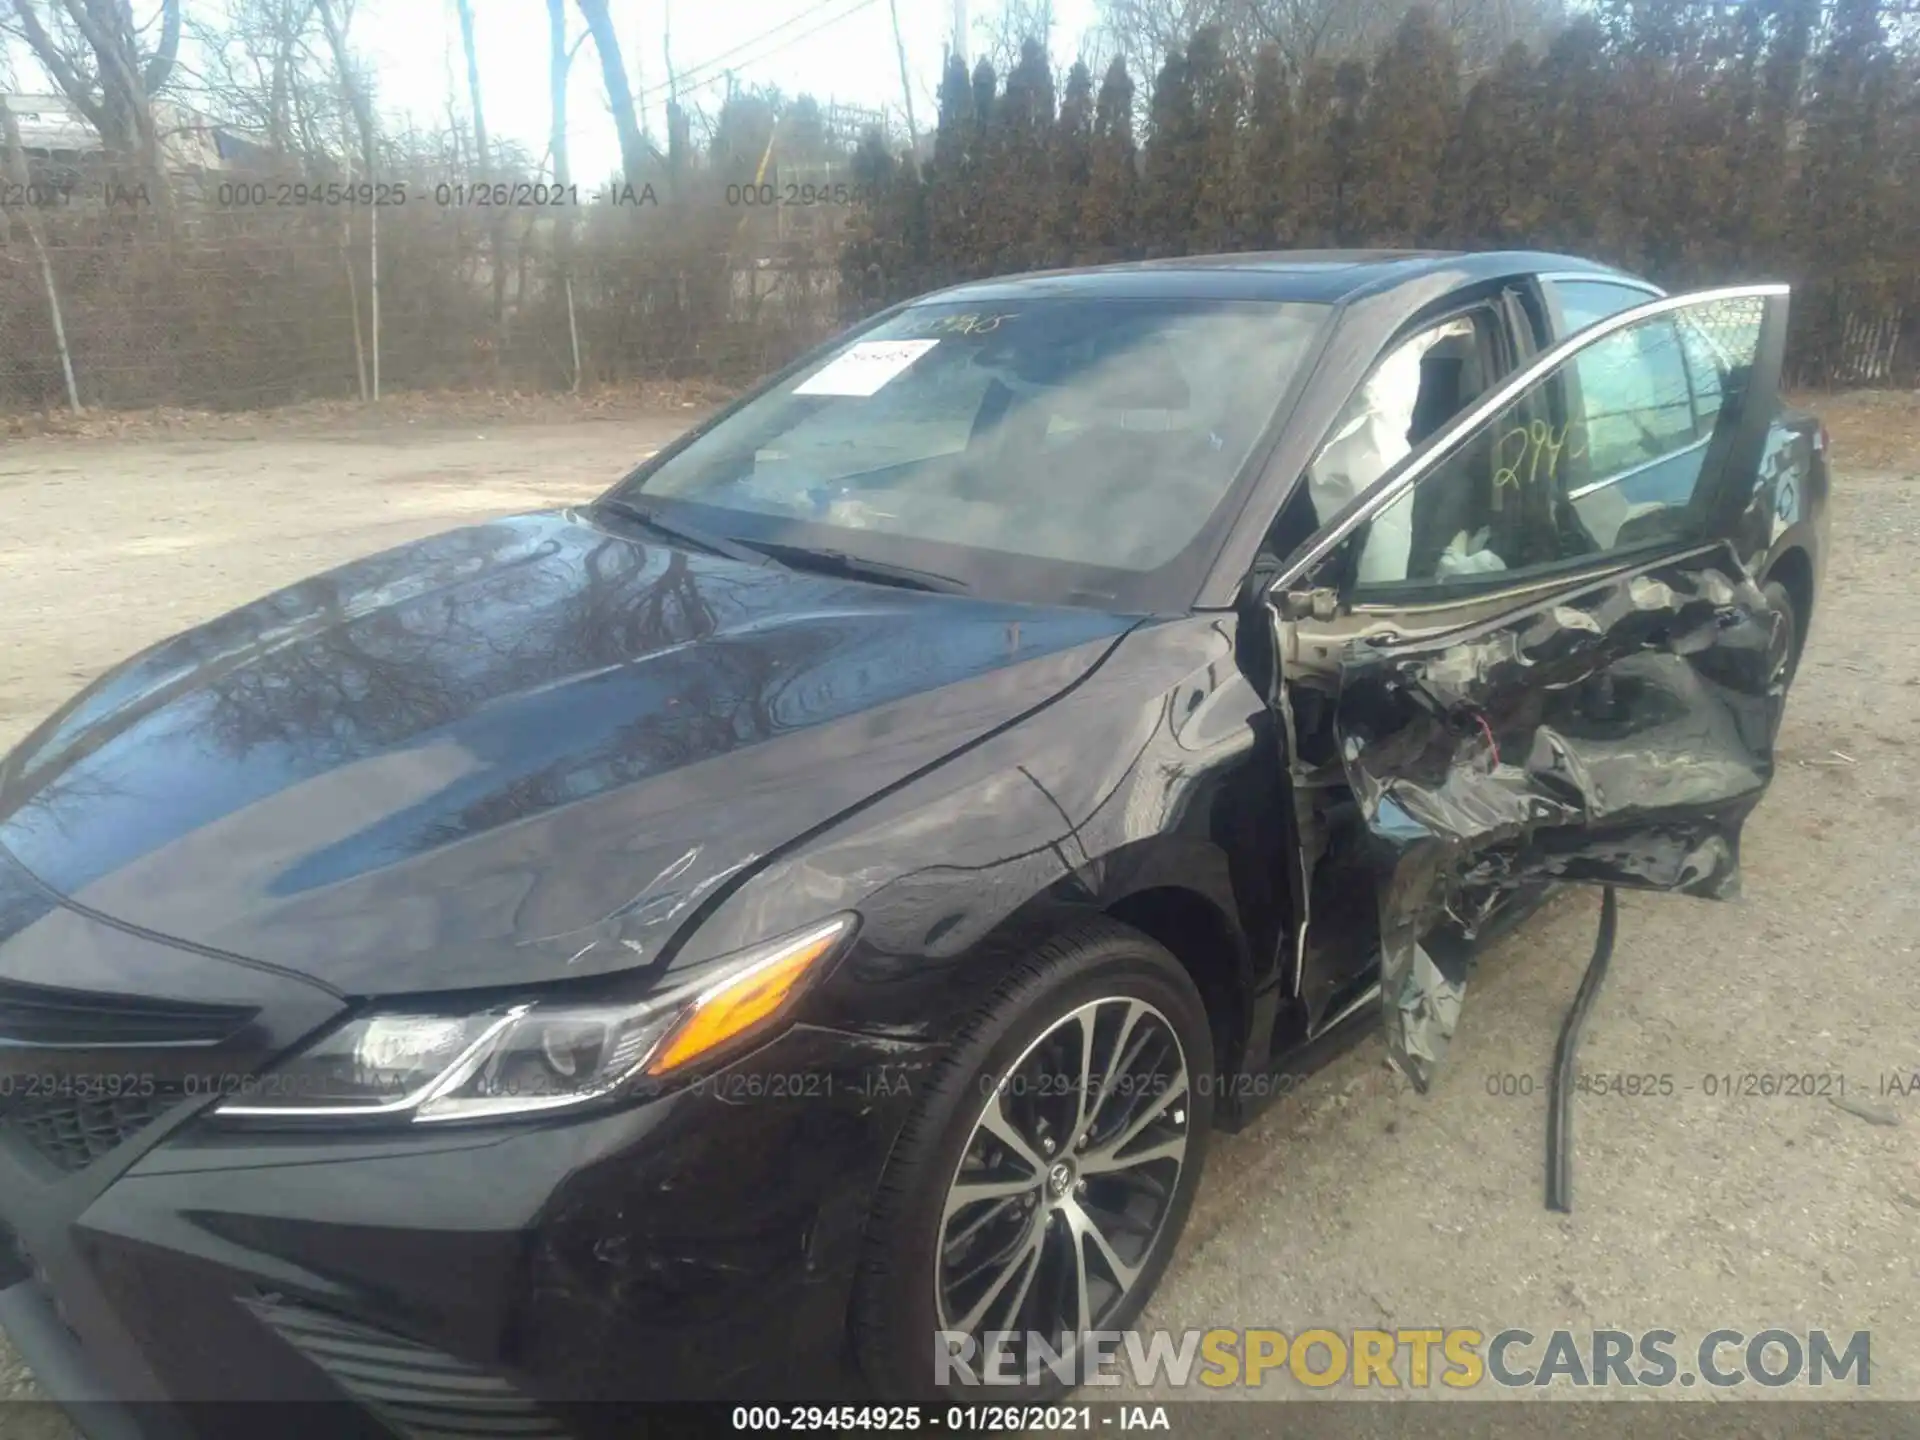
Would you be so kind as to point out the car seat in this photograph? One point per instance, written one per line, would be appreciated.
(1452, 377)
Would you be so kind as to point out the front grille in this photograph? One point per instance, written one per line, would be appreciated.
(83, 1071)
(70, 1132)
(417, 1392)
(42, 1016)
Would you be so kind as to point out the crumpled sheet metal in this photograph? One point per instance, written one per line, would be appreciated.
(1423, 997)
(1619, 737)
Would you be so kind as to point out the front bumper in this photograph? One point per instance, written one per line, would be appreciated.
(698, 1246)
(53, 1354)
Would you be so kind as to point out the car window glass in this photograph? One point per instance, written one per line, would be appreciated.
(1419, 386)
(1605, 452)
(1636, 403)
(1707, 367)
(925, 412)
(1586, 302)
(1068, 430)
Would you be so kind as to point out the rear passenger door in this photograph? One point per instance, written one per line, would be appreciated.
(1571, 677)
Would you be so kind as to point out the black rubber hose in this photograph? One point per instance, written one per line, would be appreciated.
(1560, 1102)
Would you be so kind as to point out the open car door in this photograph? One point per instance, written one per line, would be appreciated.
(1556, 667)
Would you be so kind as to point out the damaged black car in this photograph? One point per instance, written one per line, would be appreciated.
(817, 898)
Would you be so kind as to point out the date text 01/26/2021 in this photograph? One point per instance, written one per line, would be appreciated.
(955, 1419)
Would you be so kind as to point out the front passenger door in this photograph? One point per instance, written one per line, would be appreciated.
(1570, 677)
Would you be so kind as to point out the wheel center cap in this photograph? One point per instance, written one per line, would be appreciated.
(1059, 1179)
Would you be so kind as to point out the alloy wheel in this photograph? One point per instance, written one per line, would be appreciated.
(1067, 1179)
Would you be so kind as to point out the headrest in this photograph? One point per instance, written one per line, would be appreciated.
(1455, 348)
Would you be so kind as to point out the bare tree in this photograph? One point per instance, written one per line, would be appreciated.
(290, 20)
(559, 66)
(1010, 27)
(1482, 30)
(634, 150)
(1305, 31)
(1144, 32)
(336, 16)
(472, 53)
(258, 67)
(496, 214)
(108, 67)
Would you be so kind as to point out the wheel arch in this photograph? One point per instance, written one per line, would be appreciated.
(1792, 568)
(1205, 942)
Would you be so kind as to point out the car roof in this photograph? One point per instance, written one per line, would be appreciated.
(1325, 277)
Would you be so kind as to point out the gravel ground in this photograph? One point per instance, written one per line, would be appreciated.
(1350, 1203)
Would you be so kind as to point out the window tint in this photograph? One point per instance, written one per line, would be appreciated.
(1606, 452)
(1584, 302)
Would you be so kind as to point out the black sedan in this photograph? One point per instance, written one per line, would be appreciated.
(769, 930)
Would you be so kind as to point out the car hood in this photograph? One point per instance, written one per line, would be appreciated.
(509, 753)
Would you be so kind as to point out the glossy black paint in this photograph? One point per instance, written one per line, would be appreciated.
(554, 752)
(510, 754)
(700, 1246)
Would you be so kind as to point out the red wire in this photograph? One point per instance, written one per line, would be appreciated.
(1487, 730)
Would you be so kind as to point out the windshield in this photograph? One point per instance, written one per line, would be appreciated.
(1073, 450)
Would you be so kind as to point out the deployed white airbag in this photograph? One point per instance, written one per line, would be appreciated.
(1371, 440)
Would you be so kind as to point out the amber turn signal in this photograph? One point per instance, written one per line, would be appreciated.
(743, 1001)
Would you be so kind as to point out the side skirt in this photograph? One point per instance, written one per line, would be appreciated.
(1249, 1091)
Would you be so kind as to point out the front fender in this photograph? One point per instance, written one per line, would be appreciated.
(1158, 775)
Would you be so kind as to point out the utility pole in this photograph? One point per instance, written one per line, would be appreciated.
(960, 29)
(15, 155)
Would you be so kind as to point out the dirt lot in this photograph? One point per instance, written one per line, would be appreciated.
(1348, 1205)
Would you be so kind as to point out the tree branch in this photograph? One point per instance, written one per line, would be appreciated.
(160, 64)
(79, 91)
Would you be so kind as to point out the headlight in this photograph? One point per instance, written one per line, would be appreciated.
(530, 1056)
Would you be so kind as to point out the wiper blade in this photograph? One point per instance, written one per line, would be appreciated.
(650, 517)
(859, 567)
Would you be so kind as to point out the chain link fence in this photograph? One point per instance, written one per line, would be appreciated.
(249, 291)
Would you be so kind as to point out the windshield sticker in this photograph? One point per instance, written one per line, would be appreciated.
(864, 368)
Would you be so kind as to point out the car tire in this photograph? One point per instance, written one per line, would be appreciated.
(1011, 1076)
(1791, 633)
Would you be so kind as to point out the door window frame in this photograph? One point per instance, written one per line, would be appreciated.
(1389, 487)
(1556, 312)
(1488, 298)
(1512, 350)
